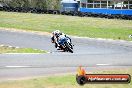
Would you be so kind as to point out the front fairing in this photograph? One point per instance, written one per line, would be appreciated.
(62, 41)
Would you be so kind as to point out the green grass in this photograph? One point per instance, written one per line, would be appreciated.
(79, 26)
(65, 81)
(6, 49)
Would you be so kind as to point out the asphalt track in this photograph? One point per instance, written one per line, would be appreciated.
(93, 54)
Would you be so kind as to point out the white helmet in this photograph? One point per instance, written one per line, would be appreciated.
(57, 33)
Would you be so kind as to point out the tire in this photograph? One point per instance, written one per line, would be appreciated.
(81, 80)
(69, 47)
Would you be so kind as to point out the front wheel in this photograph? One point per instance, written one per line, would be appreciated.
(69, 47)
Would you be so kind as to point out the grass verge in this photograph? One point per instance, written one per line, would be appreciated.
(72, 25)
(7, 49)
(65, 81)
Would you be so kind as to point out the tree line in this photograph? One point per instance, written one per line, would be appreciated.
(44, 4)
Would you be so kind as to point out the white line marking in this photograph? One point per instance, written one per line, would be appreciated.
(21, 53)
(10, 46)
(17, 66)
(17, 47)
(102, 64)
(2, 45)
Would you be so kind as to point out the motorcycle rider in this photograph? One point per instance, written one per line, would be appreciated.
(56, 36)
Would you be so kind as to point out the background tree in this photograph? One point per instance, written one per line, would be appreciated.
(45, 4)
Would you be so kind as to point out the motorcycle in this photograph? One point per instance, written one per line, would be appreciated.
(65, 44)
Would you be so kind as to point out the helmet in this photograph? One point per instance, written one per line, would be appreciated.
(57, 33)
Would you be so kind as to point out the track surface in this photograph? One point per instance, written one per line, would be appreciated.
(91, 53)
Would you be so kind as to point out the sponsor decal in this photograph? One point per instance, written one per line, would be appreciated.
(83, 78)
